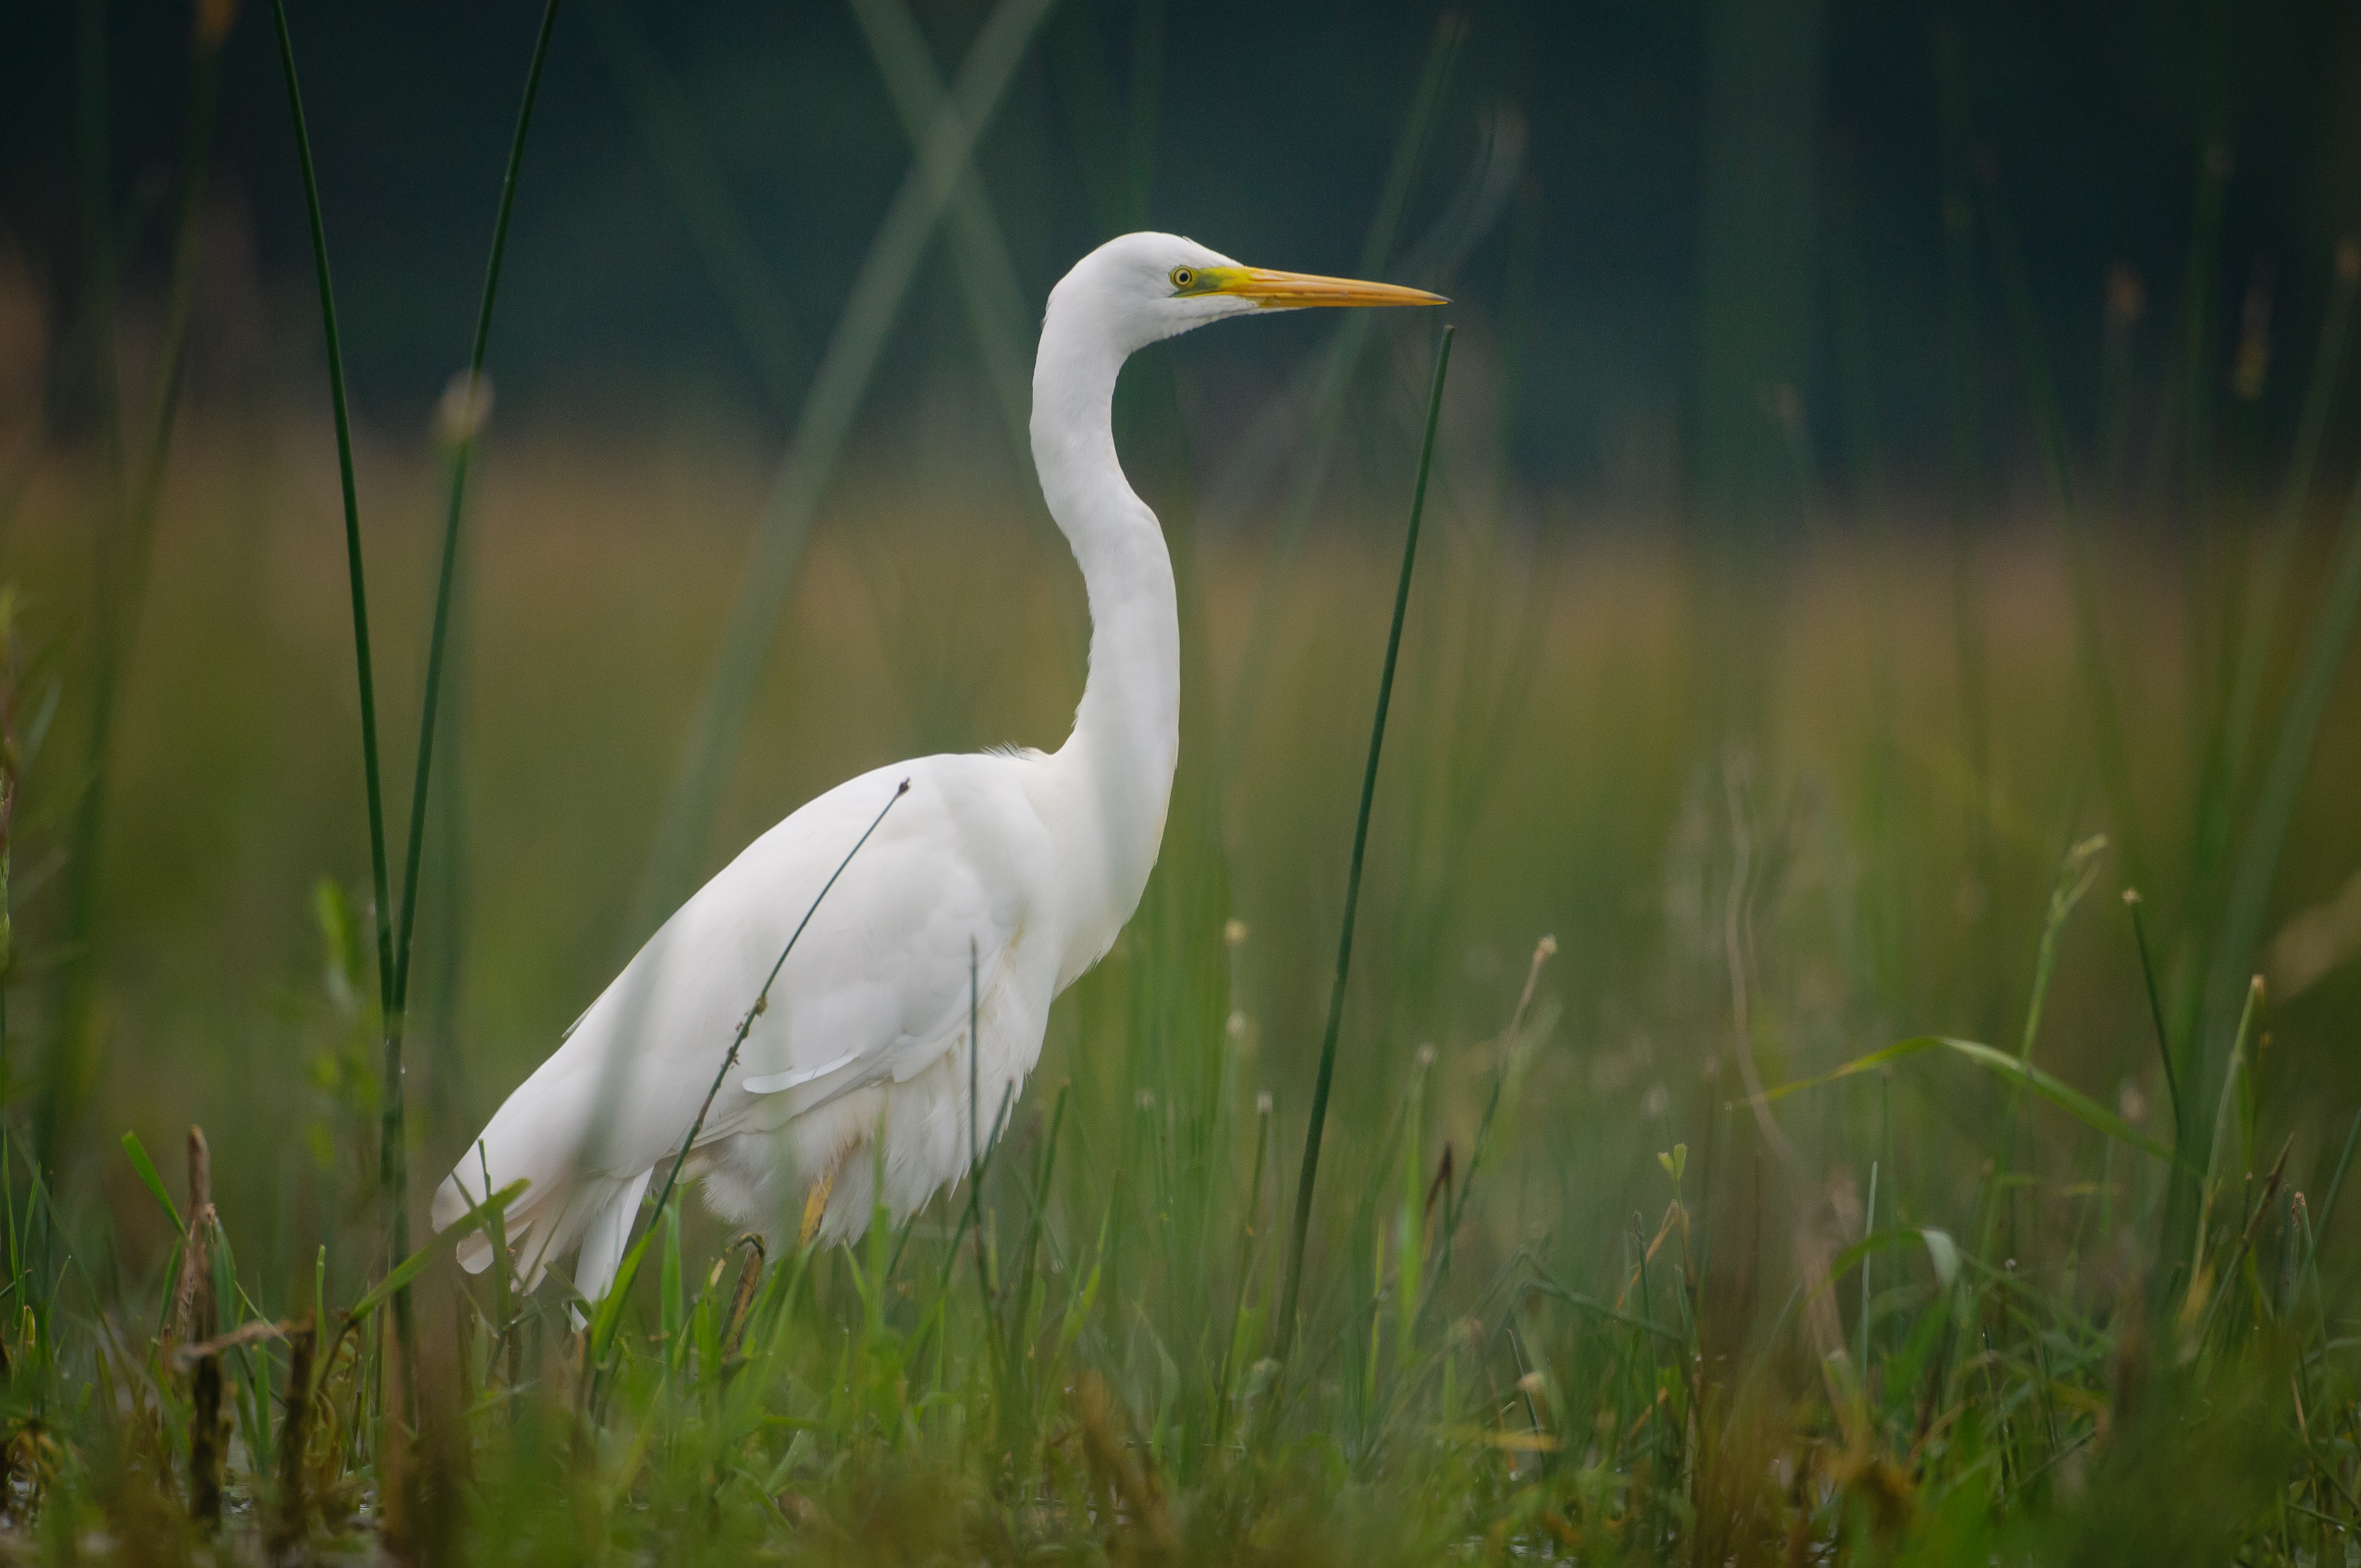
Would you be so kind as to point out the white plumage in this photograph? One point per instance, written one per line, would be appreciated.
(1031, 861)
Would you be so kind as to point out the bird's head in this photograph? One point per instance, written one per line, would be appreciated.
(1142, 288)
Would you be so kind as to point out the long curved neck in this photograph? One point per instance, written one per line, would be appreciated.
(1115, 772)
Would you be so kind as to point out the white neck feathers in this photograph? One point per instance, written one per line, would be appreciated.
(1112, 779)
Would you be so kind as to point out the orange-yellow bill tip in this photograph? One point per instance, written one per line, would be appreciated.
(1288, 290)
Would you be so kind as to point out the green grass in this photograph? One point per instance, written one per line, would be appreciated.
(1564, 1340)
(1767, 1150)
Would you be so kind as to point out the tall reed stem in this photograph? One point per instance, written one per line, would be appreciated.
(1963, 392)
(1326, 416)
(2081, 564)
(352, 513)
(823, 427)
(122, 571)
(393, 1167)
(1353, 878)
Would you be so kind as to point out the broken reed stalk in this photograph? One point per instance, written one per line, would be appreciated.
(195, 1322)
(201, 1170)
(1140, 1502)
(206, 1444)
(741, 1300)
(291, 1524)
(194, 1312)
(1353, 878)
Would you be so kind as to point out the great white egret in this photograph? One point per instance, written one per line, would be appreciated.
(1021, 864)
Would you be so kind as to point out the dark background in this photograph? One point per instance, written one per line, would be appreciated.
(1272, 129)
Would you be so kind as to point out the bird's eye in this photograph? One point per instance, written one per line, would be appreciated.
(1182, 277)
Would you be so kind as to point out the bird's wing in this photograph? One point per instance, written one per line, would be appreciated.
(878, 985)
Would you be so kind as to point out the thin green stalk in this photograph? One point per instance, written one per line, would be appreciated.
(998, 313)
(1036, 1199)
(1492, 691)
(1333, 380)
(2335, 1186)
(2074, 878)
(2156, 1013)
(2230, 763)
(2311, 430)
(1964, 390)
(2209, 589)
(463, 449)
(809, 466)
(1857, 404)
(121, 591)
(66, 1072)
(1457, 1206)
(1410, 1268)
(438, 990)
(393, 1163)
(2082, 572)
(1244, 1266)
(2258, 870)
(1868, 1233)
(1000, 318)
(383, 911)
(602, 1328)
(2226, 1120)
(1312, 1135)
(717, 226)
(2075, 875)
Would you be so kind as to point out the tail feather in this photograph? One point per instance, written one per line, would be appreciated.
(602, 1244)
(539, 1135)
(594, 1212)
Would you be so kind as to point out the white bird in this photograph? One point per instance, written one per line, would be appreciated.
(1032, 862)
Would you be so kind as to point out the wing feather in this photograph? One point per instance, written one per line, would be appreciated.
(876, 988)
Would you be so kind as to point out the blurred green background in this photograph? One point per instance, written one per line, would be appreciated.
(1745, 658)
(1667, 152)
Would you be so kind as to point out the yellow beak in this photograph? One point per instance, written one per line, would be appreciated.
(1295, 290)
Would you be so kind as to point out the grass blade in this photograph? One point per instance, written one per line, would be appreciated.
(1963, 397)
(379, 884)
(1353, 879)
(145, 1169)
(2262, 610)
(2082, 571)
(2156, 1013)
(2325, 651)
(1333, 380)
(398, 1278)
(2019, 1074)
